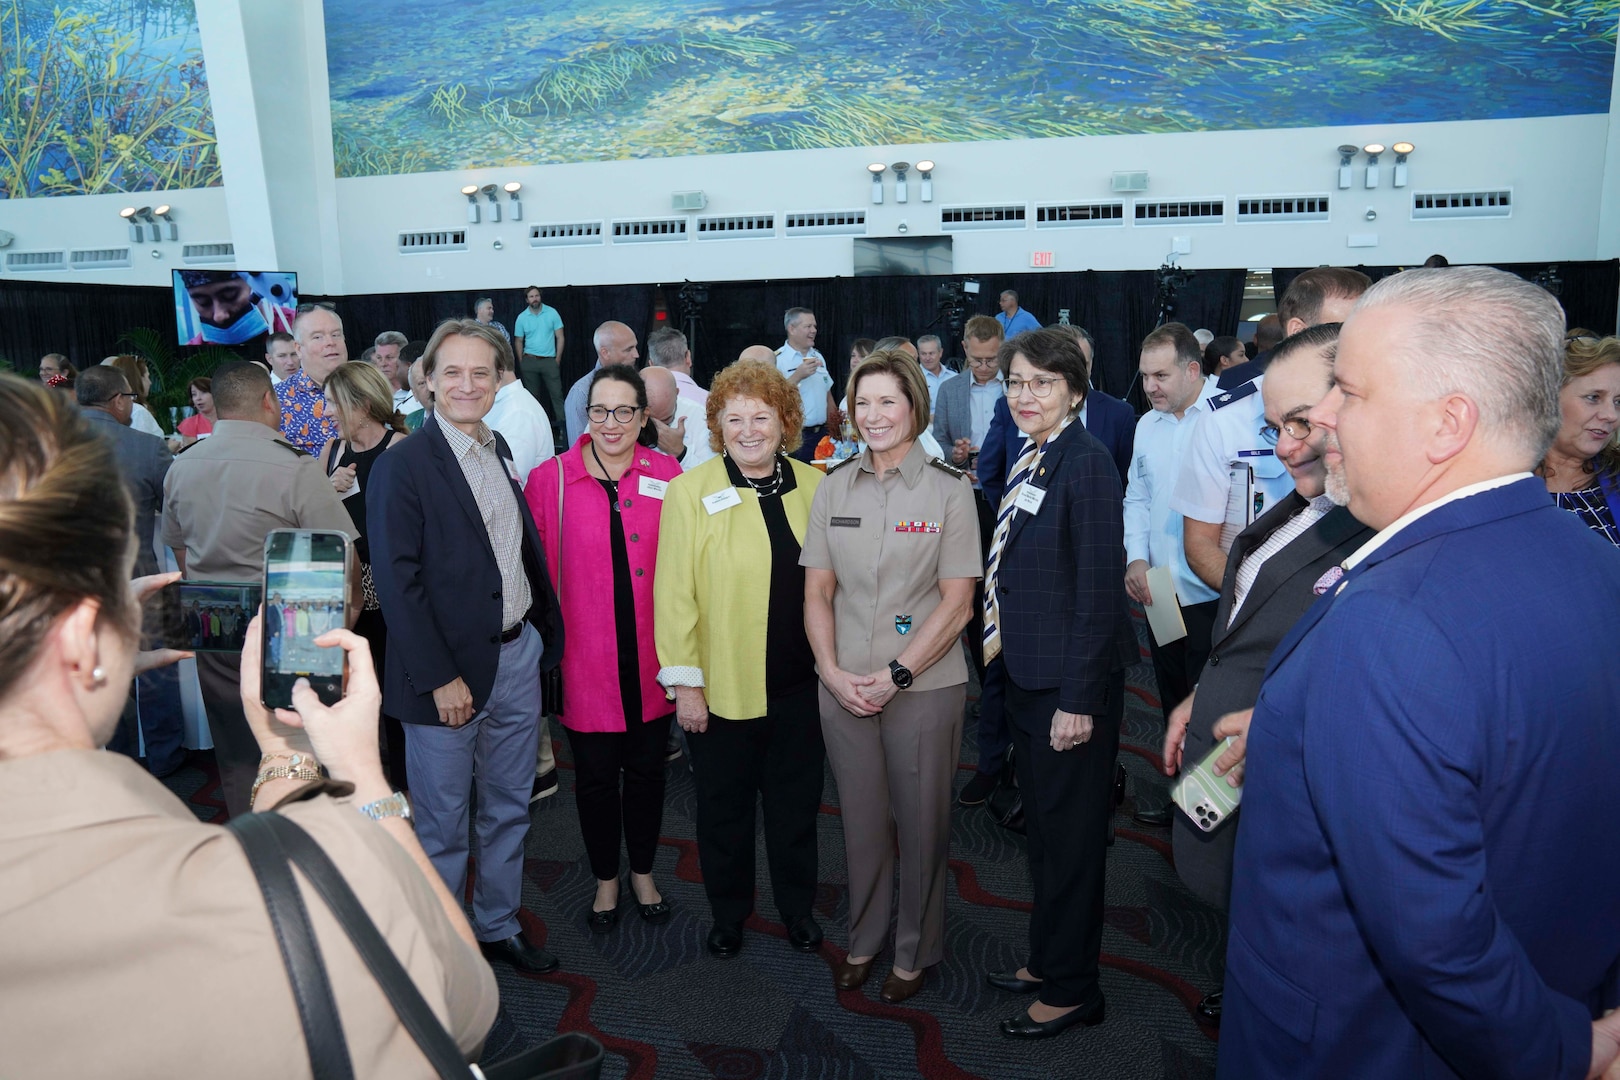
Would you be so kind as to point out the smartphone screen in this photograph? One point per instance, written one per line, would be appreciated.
(205, 616)
(305, 590)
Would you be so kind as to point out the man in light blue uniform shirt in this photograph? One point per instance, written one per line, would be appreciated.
(537, 342)
(1173, 379)
(1014, 320)
(806, 369)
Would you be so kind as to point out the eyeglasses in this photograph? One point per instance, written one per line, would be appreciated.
(127, 393)
(986, 363)
(1298, 428)
(623, 414)
(1040, 386)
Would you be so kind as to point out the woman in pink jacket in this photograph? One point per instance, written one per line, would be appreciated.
(602, 563)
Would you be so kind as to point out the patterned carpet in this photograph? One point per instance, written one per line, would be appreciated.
(664, 1008)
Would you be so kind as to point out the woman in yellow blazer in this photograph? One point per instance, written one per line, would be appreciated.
(729, 623)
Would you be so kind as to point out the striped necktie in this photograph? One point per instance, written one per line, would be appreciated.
(1023, 469)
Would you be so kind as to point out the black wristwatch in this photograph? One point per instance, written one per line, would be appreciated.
(900, 674)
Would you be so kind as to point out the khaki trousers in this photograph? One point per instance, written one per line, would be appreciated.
(894, 773)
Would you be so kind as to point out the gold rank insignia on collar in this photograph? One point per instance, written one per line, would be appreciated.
(945, 466)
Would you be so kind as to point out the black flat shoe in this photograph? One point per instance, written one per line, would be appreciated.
(805, 934)
(977, 789)
(1010, 982)
(1022, 1027)
(601, 922)
(657, 914)
(520, 954)
(1154, 819)
(1209, 1009)
(725, 941)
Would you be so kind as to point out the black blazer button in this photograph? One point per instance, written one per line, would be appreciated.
(1215, 660)
(496, 595)
(494, 639)
(634, 537)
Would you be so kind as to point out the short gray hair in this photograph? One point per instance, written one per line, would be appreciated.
(1489, 335)
(793, 314)
(666, 346)
(927, 339)
(392, 337)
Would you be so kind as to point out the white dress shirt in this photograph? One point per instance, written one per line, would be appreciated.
(523, 423)
(141, 419)
(813, 389)
(697, 433)
(935, 382)
(1152, 529)
(982, 398)
(1229, 435)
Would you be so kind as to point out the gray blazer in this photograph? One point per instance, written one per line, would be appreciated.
(953, 412)
(1282, 592)
(144, 461)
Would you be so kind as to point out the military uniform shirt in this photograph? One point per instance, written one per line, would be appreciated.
(224, 494)
(890, 541)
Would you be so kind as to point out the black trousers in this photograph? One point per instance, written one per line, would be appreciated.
(1178, 665)
(606, 812)
(778, 758)
(236, 751)
(370, 626)
(807, 448)
(1068, 799)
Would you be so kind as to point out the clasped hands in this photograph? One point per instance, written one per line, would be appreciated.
(862, 695)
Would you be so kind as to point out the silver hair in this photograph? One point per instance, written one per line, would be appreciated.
(926, 338)
(792, 316)
(392, 337)
(667, 347)
(1488, 335)
(607, 329)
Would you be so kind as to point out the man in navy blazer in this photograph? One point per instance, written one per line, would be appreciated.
(1427, 874)
(472, 623)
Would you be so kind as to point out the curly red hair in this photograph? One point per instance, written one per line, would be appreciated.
(756, 379)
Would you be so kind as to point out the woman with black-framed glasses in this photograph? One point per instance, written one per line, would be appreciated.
(602, 565)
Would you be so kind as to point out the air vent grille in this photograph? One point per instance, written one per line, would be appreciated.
(33, 261)
(1433, 205)
(1181, 212)
(1267, 208)
(566, 234)
(100, 259)
(208, 253)
(959, 218)
(736, 227)
(417, 243)
(650, 231)
(826, 223)
(1078, 215)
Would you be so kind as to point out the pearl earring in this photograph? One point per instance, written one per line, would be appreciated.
(98, 677)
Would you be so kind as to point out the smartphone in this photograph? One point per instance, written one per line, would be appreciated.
(205, 616)
(1204, 797)
(306, 592)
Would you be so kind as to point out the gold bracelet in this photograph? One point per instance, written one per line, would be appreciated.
(298, 767)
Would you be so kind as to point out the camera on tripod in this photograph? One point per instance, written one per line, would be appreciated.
(951, 303)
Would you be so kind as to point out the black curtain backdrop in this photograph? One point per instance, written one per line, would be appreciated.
(1589, 291)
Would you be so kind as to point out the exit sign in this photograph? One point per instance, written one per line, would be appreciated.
(1040, 258)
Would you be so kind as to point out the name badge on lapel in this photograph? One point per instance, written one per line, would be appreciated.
(1030, 498)
(654, 489)
(723, 499)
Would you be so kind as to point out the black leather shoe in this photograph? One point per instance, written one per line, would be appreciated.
(1119, 784)
(1022, 1027)
(1010, 982)
(601, 922)
(520, 954)
(805, 934)
(657, 914)
(1154, 819)
(1209, 1009)
(725, 941)
(977, 789)
(544, 786)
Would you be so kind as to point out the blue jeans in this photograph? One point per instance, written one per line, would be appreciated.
(496, 747)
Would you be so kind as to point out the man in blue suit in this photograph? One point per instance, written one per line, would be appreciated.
(1427, 876)
(472, 623)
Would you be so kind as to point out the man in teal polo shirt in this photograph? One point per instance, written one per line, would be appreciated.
(537, 339)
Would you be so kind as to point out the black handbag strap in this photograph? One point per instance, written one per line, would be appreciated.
(312, 992)
(414, 1013)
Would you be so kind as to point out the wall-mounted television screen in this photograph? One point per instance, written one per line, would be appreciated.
(232, 307)
(903, 255)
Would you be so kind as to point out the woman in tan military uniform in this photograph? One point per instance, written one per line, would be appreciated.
(890, 557)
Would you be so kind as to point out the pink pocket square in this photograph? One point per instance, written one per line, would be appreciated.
(1328, 580)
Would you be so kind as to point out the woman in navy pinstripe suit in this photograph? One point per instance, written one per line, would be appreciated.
(1056, 610)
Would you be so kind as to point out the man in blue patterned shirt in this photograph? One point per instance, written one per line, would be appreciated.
(306, 420)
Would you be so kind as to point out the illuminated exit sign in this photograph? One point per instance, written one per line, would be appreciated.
(1040, 258)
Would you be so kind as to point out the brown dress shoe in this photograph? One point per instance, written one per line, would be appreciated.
(848, 976)
(895, 989)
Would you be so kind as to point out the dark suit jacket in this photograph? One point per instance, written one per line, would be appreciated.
(1061, 590)
(1427, 870)
(1109, 419)
(437, 578)
(143, 462)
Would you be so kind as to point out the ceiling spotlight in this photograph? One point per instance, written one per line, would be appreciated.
(145, 214)
(512, 190)
(925, 189)
(877, 169)
(1347, 154)
(136, 232)
(1401, 150)
(168, 225)
(491, 192)
(1372, 150)
(900, 169)
(471, 191)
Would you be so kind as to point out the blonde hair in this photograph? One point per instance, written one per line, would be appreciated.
(906, 371)
(359, 390)
(1585, 353)
(468, 328)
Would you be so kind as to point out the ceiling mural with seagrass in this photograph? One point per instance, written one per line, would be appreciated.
(103, 95)
(420, 85)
